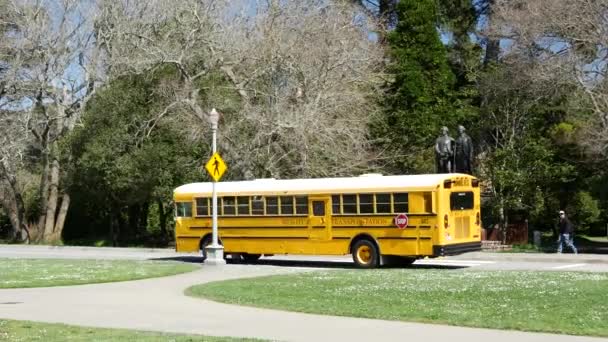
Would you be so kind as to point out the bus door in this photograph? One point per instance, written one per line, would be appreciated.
(319, 218)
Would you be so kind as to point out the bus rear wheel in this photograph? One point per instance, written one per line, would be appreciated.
(365, 254)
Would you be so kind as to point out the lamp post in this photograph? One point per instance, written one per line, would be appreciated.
(215, 251)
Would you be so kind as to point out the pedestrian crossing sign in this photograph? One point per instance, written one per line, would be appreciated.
(216, 167)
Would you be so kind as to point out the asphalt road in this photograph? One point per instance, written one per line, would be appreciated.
(482, 261)
(160, 305)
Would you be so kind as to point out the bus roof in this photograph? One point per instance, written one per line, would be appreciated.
(271, 186)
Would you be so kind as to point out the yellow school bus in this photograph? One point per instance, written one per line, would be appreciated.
(375, 218)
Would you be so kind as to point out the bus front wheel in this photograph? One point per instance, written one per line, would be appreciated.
(365, 254)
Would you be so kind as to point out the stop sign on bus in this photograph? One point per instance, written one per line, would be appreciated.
(401, 221)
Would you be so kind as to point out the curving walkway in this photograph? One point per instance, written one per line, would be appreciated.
(160, 305)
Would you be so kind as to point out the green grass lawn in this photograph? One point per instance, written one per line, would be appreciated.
(557, 302)
(55, 272)
(31, 331)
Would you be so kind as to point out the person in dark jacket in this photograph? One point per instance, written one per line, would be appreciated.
(566, 229)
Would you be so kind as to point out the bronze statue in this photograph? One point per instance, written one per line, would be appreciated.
(444, 152)
(463, 157)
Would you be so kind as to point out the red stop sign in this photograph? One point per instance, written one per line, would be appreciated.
(401, 221)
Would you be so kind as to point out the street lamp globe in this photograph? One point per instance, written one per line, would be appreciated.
(214, 117)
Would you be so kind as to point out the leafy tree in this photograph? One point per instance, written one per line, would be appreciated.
(422, 95)
(118, 168)
(586, 210)
(523, 166)
(566, 41)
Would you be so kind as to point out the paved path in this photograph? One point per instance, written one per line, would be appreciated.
(77, 252)
(159, 305)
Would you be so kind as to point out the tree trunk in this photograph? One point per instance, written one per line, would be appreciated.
(15, 206)
(114, 227)
(51, 208)
(386, 10)
(492, 51)
(132, 230)
(63, 212)
(44, 191)
(388, 18)
(503, 220)
(493, 44)
(15, 211)
(120, 228)
(143, 217)
(162, 218)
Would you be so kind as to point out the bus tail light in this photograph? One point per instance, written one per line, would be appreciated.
(475, 183)
(446, 222)
(477, 219)
(447, 184)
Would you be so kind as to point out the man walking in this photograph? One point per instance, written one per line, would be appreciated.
(565, 231)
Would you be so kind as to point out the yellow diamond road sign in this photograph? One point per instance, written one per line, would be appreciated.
(216, 167)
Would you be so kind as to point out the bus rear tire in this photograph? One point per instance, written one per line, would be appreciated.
(366, 254)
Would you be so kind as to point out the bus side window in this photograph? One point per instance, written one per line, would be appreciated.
(272, 206)
(301, 205)
(349, 205)
(366, 204)
(286, 205)
(400, 204)
(183, 209)
(335, 204)
(202, 207)
(257, 205)
(228, 206)
(242, 203)
(383, 203)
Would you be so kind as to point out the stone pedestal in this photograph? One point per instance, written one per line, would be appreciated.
(215, 255)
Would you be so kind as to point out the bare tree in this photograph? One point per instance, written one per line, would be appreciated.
(570, 41)
(48, 74)
(13, 142)
(293, 80)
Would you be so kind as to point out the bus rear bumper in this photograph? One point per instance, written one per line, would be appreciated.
(456, 248)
